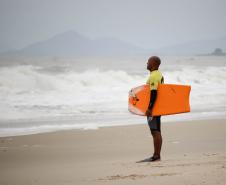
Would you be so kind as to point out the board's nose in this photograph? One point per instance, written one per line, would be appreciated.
(135, 100)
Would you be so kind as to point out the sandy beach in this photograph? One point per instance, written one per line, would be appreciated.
(193, 152)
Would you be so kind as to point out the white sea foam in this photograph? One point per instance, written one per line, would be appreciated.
(35, 100)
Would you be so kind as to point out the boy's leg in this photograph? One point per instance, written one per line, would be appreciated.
(155, 128)
(157, 141)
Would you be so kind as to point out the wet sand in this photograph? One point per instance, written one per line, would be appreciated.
(193, 153)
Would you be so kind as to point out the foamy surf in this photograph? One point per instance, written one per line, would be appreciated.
(36, 100)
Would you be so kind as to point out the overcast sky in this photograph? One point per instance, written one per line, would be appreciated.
(146, 23)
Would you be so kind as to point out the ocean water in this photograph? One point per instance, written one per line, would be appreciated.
(88, 94)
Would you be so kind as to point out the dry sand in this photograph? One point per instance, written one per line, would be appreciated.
(193, 153)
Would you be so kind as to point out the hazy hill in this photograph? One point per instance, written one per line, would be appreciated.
(195, 47)
(71, 44)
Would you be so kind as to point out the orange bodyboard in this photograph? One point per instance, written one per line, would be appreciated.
(171, 99)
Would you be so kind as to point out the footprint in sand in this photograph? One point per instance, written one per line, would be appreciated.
(134, 176)
(121, 177)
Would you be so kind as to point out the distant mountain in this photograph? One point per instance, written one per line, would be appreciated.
(4, 47)
(70, 44)
(195, 47)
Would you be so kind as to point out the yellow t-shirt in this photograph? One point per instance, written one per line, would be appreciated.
(155, 79)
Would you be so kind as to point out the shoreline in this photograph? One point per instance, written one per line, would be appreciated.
(94, 127)
(193, 153)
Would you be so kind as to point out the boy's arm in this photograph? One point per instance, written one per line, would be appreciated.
(151, 102)
(152, 99)
(153, 93)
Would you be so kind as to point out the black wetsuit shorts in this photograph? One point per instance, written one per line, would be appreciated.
(154, 123)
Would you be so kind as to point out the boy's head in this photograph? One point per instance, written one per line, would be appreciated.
(153, 63)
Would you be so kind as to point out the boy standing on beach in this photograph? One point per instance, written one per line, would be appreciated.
(154, 122)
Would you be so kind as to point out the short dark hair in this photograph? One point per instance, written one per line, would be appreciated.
(156, 59)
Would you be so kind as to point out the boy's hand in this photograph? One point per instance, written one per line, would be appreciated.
(148, 112)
